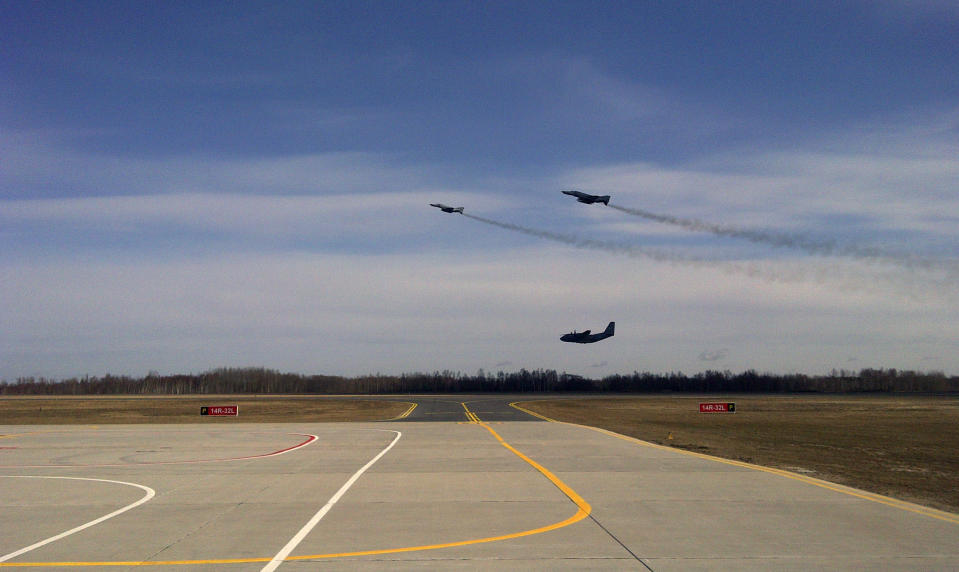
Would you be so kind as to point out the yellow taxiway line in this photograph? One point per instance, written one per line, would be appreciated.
(470, 415)
(583, 510)
(406, 413)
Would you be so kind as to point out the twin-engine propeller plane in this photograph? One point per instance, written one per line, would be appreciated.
(447, 209)
(588, 198)
(588, 338)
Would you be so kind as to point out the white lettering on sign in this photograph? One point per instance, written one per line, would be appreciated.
(220, 410)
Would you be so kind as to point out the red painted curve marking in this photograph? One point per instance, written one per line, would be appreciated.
(310, 439)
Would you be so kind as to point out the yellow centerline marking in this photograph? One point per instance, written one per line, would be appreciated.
(406, 413)
(873, 497)
(470, 415)
(583, 510)
(534, 414)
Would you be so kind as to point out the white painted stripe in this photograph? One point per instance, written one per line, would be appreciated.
(150, 493)
(299, 536)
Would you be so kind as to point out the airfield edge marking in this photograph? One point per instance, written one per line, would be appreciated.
(533, 413)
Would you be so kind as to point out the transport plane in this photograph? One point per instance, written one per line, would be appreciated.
(588, 198)
(447, 209)
(587, 338)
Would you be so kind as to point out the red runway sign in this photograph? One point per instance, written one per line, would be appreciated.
(220, 410)
(717, 408)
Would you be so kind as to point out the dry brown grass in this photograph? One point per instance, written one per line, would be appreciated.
(102, 410)
(903, 447)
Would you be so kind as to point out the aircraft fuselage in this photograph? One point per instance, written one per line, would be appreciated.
(588, 198)
(447, 209)
(588, 338)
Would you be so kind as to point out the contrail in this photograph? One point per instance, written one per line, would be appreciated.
(635, 251)
(758, 236)
(836, 274)
(589, 243)
(786, 240)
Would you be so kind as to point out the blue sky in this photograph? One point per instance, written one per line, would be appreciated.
(194, 185)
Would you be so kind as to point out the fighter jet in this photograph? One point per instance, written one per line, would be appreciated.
(587, 198)
(447, 209)
(587, 338)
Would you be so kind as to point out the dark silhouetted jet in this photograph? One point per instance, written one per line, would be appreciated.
(447, 209)
(587, 338)
(587, 198)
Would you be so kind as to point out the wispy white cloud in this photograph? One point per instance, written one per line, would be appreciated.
(333, 215)
(452, 293)
(430, 310)
(44, 165)
(892, 185)
(713, 355)
(612, 98)
(251, 193)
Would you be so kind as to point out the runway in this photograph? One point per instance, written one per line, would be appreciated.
(460, 482)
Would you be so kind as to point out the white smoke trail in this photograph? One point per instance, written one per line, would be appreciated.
(589, 243)
(837, 275)
(635, 251)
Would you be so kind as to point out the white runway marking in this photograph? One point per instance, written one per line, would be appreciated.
(150, 493)
(299, 536)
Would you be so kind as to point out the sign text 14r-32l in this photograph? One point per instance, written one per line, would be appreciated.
(220, 410)
(717, 408)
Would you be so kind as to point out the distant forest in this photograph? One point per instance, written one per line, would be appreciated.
(266, 381)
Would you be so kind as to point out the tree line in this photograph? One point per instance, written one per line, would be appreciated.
(267, 381)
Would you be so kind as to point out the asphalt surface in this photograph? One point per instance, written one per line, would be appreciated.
(451, 486)
(450, 408)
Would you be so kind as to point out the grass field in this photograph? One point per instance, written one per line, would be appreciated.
(903, 447)
(99, 410)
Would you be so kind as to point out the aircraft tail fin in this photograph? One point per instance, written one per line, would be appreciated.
(610, 329)
(604, 199)
(458, 210)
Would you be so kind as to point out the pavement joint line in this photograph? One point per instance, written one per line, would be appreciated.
(865, 495)
(620, 542)
(583, 511)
